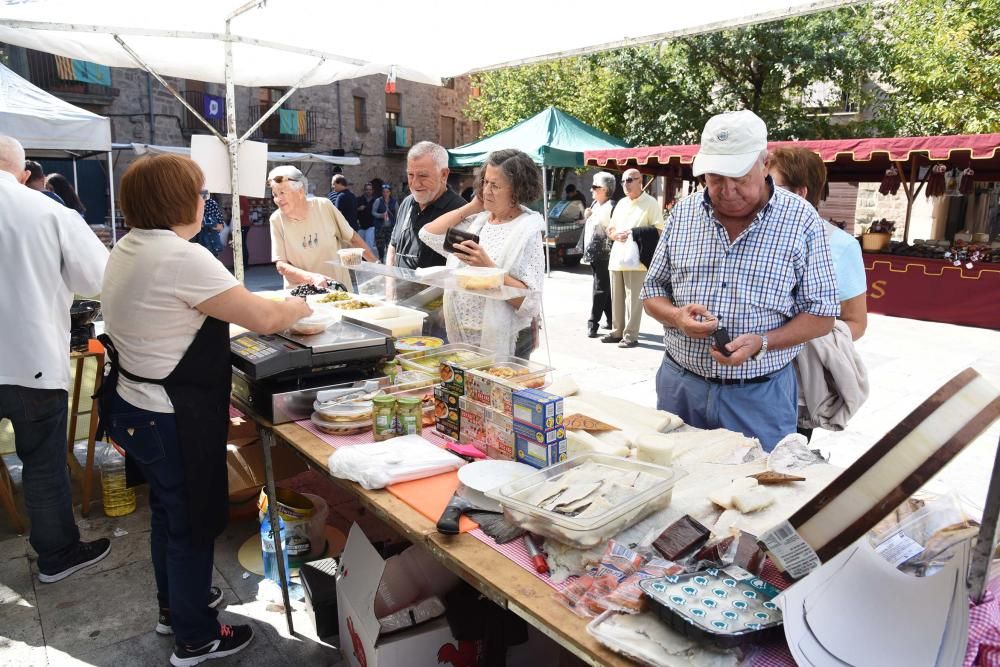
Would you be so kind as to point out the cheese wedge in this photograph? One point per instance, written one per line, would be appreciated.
(723, 497)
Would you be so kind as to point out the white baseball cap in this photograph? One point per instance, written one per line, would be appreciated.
(730, 144)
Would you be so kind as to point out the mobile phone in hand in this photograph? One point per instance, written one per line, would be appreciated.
(721, 337)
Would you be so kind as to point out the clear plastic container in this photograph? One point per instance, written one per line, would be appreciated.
(529, 374)
(313, 324)
(587, 532)
(428, 361)
(392, 320)
(479, 277)
(350, 256)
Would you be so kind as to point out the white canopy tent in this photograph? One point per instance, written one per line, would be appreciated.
(272, 156)
(288, 42)
(50, 127)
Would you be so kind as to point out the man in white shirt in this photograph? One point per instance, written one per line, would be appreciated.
(46, 257)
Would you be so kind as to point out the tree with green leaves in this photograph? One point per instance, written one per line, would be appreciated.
(944, 67)
(664, 94)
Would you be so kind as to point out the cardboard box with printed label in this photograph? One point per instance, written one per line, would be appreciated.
(361, 640)
(473, 426)
(537, 454)
(541, 436)
(537, 408)
(490, 390)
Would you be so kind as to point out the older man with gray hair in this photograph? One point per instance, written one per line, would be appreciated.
(740, 279)
(47, 256)
(307, 232)
(430, 197)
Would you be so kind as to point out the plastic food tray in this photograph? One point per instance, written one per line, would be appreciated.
(531, 374)
(716, 608)
(412, 381)
(428, 361)
(586, 532)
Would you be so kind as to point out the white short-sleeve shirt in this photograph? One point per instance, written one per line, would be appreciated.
(152, 285)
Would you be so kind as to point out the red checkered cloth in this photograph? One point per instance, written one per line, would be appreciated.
(517, 552)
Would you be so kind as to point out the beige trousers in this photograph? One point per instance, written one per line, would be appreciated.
(626, 307)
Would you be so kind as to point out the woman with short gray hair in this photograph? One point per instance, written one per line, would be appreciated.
(597, 248)
(510, 237)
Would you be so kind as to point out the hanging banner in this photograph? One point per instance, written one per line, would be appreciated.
(934, 290)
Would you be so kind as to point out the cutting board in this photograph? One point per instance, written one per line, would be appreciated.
(430, 496)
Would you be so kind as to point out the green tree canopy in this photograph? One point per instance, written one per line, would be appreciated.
(664, 94)
(943, 67)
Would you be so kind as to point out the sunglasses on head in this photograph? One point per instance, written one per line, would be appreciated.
(282, 179)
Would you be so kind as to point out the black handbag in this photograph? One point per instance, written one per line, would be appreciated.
(599, 248)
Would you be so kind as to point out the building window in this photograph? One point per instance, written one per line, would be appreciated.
(394, 103)
(360, 114)
(447, 132)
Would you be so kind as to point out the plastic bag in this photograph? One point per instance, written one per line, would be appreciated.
(628, 254)
(378, 464)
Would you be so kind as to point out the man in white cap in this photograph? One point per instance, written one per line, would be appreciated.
(749, 260)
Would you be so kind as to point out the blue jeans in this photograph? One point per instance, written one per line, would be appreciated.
(183, 569)
(39, 420)
(369, 236)
(767, 411)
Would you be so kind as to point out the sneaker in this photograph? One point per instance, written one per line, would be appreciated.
(611, 339)
(87, 553)
(232, 639)
(628, 343)
(163, 625)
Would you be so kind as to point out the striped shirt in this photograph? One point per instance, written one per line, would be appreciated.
(778, 267)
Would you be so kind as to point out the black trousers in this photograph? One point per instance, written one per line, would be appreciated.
(601, 302)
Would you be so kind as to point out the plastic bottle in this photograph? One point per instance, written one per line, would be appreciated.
(118, 499)
(267, 549)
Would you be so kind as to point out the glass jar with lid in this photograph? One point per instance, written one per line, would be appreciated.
(409, 415)
(384, 417)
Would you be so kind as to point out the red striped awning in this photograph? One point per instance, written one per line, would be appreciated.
(847, 159)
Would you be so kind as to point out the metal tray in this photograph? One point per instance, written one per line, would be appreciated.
(429, 361)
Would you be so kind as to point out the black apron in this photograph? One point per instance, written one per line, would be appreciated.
(199, 389)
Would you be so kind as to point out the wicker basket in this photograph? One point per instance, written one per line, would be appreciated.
(875, 241)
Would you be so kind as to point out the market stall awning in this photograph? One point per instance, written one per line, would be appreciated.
(278, 41)
(45, 124)
(272, 156)
(552, 138)
(862, 160)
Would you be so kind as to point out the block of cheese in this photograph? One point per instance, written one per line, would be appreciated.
(581, 442)
(889, 472)
(723, 497)
(753, 499)
(654, 448)
(632, 414)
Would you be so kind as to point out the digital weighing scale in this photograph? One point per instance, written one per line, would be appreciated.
(277, 375)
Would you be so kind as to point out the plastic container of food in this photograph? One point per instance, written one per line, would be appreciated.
(357, 303)
(429, 361)
(350, 256)
(653, 493)
(417, 343)
(341, 428)
(524, 372)
(394, 321)
(479, 277)
(314, 324)
(336, 296)
(412, 380)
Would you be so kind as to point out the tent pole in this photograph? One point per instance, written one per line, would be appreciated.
(111, 190)
(233, 144)
(545, 218)
(76, 186)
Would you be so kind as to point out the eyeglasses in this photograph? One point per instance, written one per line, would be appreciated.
(629, 180)
(596, 187)
(492, 186)
(205, 194)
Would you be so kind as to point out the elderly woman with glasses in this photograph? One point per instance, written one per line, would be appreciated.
(307, 232)
(510, 237)
(597, 247)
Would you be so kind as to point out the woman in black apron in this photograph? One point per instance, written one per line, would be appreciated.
(165, 397)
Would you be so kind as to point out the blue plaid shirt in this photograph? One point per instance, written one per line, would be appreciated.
(778, 267)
